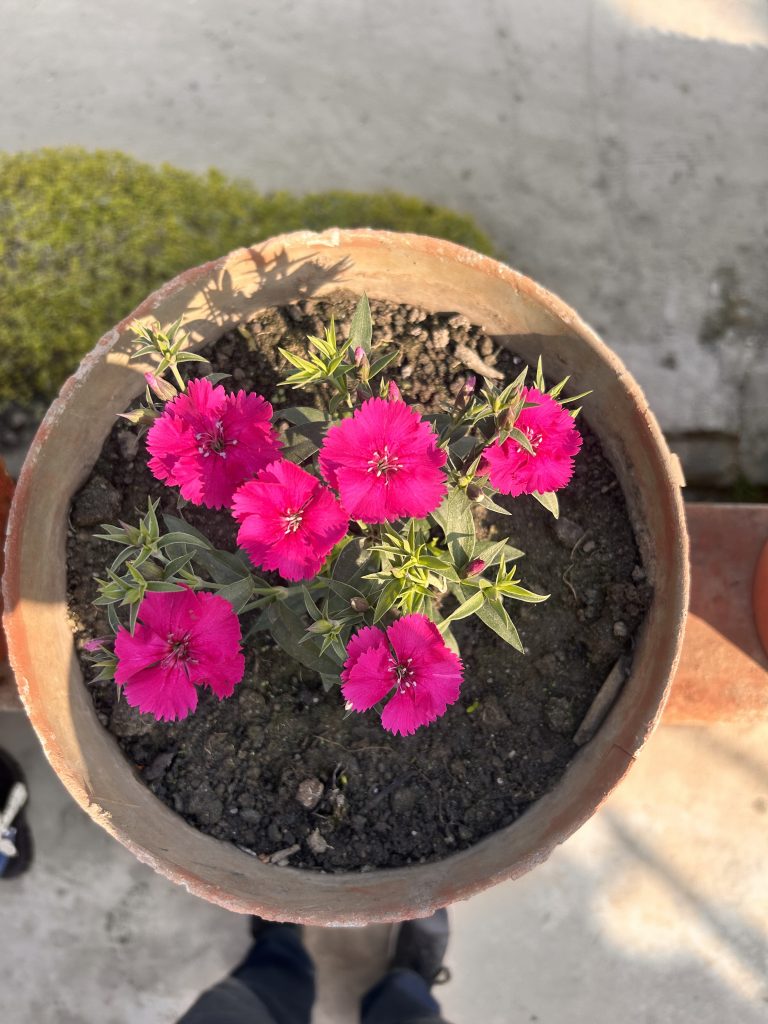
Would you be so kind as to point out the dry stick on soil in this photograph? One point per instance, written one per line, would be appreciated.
(474, 362)
(602, 703)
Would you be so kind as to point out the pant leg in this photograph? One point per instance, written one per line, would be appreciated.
(275, 984)
(228, 1002)
(401, 997)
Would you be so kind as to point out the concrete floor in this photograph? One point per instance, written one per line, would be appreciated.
(656, 912)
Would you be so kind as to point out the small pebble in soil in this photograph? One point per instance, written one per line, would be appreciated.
(309, 793)
(620, 630)
(97, 503)
(317, 843)
(567, 532)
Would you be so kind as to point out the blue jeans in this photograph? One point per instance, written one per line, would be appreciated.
(275, 984)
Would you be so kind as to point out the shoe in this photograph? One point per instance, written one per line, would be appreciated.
(260, 928)
(15, 837)
(421, 947)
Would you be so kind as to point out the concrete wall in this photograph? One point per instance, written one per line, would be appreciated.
(617, 150)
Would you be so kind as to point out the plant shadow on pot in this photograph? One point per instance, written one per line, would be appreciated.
(407, 269)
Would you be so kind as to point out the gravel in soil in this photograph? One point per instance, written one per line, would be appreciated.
(278, 769)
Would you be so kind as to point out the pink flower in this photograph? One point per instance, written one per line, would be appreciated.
(208, 442)
(182, 639)
(412, 659)
(554, 439)
(289, 521)
(385, 463)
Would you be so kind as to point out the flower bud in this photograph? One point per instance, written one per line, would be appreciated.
(393, 392)
(475, 567)
(164, 390)
(320, 627)
(505, 419)
(469, 385)
(140, 417)
(362, 364)
(97, 643)
(359, 604)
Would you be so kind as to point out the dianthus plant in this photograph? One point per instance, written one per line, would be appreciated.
(355, 513)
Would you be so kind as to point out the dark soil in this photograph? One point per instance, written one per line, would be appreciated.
(277, 768)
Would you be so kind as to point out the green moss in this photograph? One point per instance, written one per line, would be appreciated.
(85, 236)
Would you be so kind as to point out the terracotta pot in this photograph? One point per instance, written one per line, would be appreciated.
(9, 700)
(431, 274)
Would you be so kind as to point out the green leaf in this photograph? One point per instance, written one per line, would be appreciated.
(491, 552)
(518, 593)
(344, 590)
(540, 385)
(454, 517)
(495, 616)
(288, 630)
(190, 357)
(469, 607)
(301, 414)
(329, 680)
(351, 563)
(238, 594)
(163, 586)
(114, 622)
(190, 539)
(215, 378)
(300, 452)
(555, 391)
(182, 526)
(361, 327)
(380, 364)
(549, 501)
(298, 361)
(523, 442)
(574, 398)
(387, 598)
(310, 605)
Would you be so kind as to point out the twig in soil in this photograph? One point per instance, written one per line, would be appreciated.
(349, 750)
(387, 790)
(474, 362)
(602, 703)
(579, 542)
(568, 583)
(281, 855)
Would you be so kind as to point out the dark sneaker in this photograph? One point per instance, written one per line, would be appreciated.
(261, 928)
(421, 947)
(15, 837)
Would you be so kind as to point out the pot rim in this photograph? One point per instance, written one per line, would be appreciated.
(429, 885)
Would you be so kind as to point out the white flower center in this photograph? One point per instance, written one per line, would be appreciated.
(405, 679)
(534, 437)
(214, 441)
(178, 651)
(292, 520)
(384, 462)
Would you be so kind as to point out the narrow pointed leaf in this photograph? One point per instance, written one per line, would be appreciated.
(549, 501)
(361, 327)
